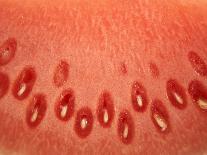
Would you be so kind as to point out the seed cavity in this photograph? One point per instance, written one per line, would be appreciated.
(160, 116)
(178, 98)
(154, 70)
(106, 117)
(139, 97)
(139, 100)
(123, 68)
(105, 110)
(63, 112)
(176, 94)
(197, 63)
(64, 107)
(7, 51)
(34, 115)
(126, 131)
(160, 122)
(4, 84)
(61, 73)
(198, 93)
(24, 83)
(36, 110)
(22, 89)
(202, 104)
(83, 122)
(125, 127)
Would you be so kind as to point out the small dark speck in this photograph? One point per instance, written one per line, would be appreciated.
(154, 70)
(123, 68)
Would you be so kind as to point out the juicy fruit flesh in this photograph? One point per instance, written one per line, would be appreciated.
(95, 39)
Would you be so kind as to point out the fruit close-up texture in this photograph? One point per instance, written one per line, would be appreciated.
(108, 77)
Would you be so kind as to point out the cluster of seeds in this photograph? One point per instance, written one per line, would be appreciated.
(65, 103)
